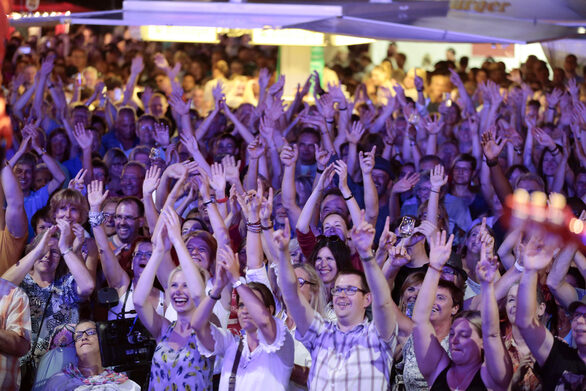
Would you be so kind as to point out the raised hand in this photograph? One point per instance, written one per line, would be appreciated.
(385, 242)
(43, 246)
(231, 169)
(391, 133)
(160, 61)
(229, 262)
(266, 208)
(418, 81)
(455, 78)
(325, 106)
(96, 195)
(433, 125)
(492, 147)
(543, 138)
(486, 268)
(355, 134)
(66, 237)
(367, 161)
(437, 177)
(147, 94)
(172, 223)
(161, 133)
(406, 183)
(326, 177)
(137, 65)
(176, 170)
(47, 65)
(289, 155)
(78, 182)
(256, 149)
(282, 237)
(218, 178)
(440, 250)
(151, 180)
(189, 141)
(538, 252)
(178, 105)
(341, 170)
(427, 229)
(573, 89)
(263, 78)
(362, 237)
(83, 136)
(399, 256)
(276, 90)
(554, 98)
(322, 157)
(218, 93)
(266, 128)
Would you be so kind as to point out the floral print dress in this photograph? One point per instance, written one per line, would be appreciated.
(183, 369)
(63, 309)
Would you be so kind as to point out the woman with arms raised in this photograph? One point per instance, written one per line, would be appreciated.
(177, 362)
(464, 368)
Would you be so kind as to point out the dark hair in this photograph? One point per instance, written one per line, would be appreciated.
(265, 293)
(465, 157)
(132, 200)
(339, 249)
(204, 226)
(99, 163)
(354, 272)
(430, 158)
(457, 293)
(41, 214)
(29, 159)
(55, 133)
(514, 167)
(209, 239)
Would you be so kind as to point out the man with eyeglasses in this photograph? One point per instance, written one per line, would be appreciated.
(353, 353)
(89, 373)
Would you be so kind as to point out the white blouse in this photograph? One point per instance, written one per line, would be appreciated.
(268, 367)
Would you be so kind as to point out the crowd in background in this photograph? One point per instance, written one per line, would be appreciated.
(350, 237)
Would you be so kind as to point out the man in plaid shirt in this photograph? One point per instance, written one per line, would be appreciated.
(352, 354)
(15, 333)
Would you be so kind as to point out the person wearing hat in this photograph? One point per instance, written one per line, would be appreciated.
(559, 365)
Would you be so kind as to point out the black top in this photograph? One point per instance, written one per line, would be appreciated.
(441, 382)
(563, 366)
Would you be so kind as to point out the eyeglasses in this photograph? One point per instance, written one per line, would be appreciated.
(79, 334)
(578, 315)
(143, 254)
(302, 282)
(349, 290)
(108, 215)
(128, 218)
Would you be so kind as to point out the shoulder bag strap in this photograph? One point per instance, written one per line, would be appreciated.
(232, 381)
(34, 346)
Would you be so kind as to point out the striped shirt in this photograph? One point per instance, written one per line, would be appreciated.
(355, 360)
(14, 316)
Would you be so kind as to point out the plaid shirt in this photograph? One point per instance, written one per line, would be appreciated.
(356, 360)
(14, 316)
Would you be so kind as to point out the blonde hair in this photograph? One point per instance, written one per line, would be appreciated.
(318, 290)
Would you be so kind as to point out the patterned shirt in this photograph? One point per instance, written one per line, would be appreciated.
(355, 360)
(14, 316)
(63, 309)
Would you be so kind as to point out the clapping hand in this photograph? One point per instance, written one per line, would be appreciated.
(362, 237)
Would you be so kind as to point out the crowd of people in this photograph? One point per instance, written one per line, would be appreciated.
(353, 237)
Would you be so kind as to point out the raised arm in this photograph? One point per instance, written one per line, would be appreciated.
(136, 67)
(312, 204)
(537, 255)
(15, 217)
(116, 277)
(288, 157)
(84, 138)
(20, 269)
(297, 306)
(147, 313)
(52, 165)
(559, 287)
(497, 359)
(370, 191)
(432, 359)
(437, 179)
(384, 308)
(492, 148)
(149, 185)
(192, 273)
(342, 172)
(83, 278)
(216, 220)
(260, 314)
